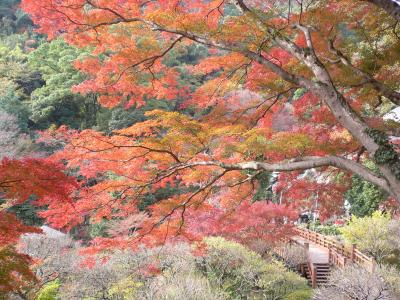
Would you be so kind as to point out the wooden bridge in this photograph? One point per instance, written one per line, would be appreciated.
(323, 253)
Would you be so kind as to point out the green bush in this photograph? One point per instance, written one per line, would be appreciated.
(374, 235)
(299, 295)
(49, 291)
(244, 274)
(325, 229)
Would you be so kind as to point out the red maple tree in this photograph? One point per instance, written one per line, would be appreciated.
(286, 86)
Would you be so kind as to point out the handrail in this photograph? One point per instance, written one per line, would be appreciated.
(339, 255)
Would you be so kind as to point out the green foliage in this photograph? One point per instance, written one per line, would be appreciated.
(324, 229)
(14, 71)
(49, 291)
(244, 274)
(264, 191)
(299, 295)
(55, 102)
(190, 55)
(98, 229)
(158, 195)
(12, 104)
(122, 118)
(127, 288)
(299, 93)
(372, 235)
(363, 196)
(27, 213)
(386, 153)
(12, 19)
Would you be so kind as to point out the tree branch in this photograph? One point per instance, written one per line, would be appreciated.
(302, 164)
(392, 95)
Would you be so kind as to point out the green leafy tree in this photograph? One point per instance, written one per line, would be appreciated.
(12, 104)
(363, 196)
(27, 213)
(13, 19)
(55, 103)
(376, 235)
(14, 71)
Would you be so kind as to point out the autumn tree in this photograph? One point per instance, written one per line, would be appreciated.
(21, 179)
(286, 87)
(15, 274)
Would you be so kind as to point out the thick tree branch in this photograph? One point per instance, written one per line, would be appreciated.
(302, 164)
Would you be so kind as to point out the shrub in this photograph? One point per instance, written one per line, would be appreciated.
(179, 279)
(299, 295)
(377, 235)
(244, 274)
(188, 286)
(294, 255)
(49, 291)
(355, 282)
(325, 229)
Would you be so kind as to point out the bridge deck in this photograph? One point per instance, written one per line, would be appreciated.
(317, 254)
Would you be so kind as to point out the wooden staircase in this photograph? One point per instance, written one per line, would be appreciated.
(324, 253)
(321, 273)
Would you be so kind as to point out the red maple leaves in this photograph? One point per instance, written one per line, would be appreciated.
(25, 178)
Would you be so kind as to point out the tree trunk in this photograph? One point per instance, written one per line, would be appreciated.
(348, 119)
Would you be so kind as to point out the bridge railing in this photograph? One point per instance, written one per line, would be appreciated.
(339, 255)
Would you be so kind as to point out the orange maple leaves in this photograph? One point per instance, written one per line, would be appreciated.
(252, 113)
